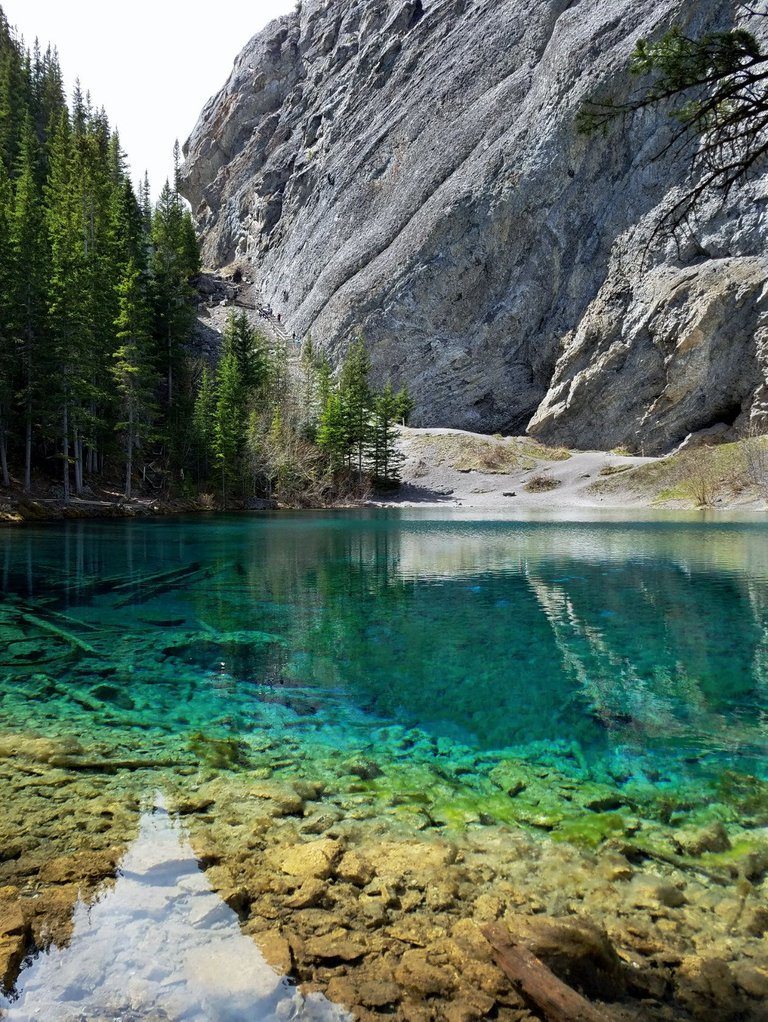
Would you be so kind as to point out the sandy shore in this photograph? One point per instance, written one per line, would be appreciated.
(451, 468)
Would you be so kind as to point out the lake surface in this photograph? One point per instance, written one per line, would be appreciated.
(414, 660)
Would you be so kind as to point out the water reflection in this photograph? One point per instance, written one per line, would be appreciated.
(498, 633)
(159, 945)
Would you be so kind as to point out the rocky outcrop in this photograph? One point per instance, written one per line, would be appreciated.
(411, 170)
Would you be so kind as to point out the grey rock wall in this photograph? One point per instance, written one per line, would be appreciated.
(410, 169)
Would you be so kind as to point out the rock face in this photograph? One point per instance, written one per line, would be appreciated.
(410, 169)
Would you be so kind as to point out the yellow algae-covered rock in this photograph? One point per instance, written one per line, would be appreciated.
(314, 859)
(14, 933)
(11, 956)
(276, 949)
(697, 840)
(55, 751)
(82, 866)
(416, 974)
(335, 946)
(403, 858)
(283, 800)
(355, 869)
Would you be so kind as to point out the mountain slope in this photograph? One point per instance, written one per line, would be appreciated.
(411, 169)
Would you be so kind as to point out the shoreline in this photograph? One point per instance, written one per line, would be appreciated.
(450, 469)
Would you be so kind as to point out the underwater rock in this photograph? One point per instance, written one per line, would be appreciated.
(114, 695)
(11, 956)
(416, 974)
(90, 866)
(706, 987)
(311, 894)
(14, 934)
(335, 946)
(576, 950)
(276, 950)
(650, 892)
(316, 859)
(365, 769)
(756, 923)
(56, 751)
(712, 838)
(320, 822)
(283, 800)
(354, 869)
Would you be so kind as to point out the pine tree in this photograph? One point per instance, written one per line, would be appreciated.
(250, 349)
(132, 370)
(68, 296)
(28, 286)
(332, 432)
(172, 268)
(203, 421)
(7, 352)
(404, 406)
(229, 427)
(356, 401)
(386, 458)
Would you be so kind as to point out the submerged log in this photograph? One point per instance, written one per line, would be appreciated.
(60, 633)
(554, 999)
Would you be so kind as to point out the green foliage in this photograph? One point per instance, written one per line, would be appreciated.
(332, 431)
(229, 424)
(386, 460)
(133, 371)
(250, 349)
(715, 89)
(404, 406)
(79, 255)
(96, 312)
(202, 423)
(356, 402)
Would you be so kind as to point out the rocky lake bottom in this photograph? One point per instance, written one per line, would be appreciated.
(283, 767)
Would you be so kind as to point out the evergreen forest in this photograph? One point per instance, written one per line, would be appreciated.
(101, 383)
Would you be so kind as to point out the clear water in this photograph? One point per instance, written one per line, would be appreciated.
(159, 945)
(616, 636)
(606, 657)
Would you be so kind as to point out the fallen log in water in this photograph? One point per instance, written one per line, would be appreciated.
(60, 633)
(554, 999)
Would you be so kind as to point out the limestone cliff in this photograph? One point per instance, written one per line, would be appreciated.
(411, 169)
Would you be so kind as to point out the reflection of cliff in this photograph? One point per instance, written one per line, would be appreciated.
(659, 654)
(496, 631)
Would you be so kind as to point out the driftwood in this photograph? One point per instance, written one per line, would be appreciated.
(549, 995)
(670, 859)
(147, 588)
(60, 633)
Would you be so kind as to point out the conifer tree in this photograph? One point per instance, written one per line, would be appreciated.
(7, 353)
(250, 350)
(229, 427)
(356, 401)
(386, 459)
(332, 431)
(404, 406)
(132, 369)
(28, 288)
(203, 418)
(68, 294)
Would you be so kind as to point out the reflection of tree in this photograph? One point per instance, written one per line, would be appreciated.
(503, 639)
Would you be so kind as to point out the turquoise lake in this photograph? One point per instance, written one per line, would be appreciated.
(644, 646)
(507, 692)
